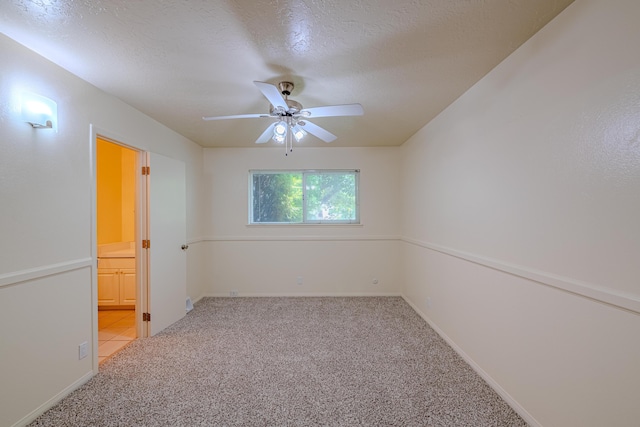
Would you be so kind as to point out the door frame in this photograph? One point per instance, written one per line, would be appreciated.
(141, 232)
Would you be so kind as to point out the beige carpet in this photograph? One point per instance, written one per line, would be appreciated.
(287, 362)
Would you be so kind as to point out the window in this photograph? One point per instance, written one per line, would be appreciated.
(304, 197)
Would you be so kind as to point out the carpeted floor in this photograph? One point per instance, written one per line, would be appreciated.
(287, 362)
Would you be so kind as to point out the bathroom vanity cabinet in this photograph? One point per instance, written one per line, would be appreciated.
(116, 282)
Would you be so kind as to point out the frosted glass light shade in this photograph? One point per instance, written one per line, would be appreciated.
(38, 111)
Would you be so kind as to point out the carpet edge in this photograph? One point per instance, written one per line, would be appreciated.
(513, 403)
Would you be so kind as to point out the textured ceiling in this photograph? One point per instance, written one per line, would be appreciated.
(179, 60)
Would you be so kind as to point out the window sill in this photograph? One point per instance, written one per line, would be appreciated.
(273, 224)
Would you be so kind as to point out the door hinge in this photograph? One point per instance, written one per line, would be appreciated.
(146, 244)
(146, 170)
(146, 317)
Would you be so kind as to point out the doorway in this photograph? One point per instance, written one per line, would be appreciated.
(116, 229)
(157, 249)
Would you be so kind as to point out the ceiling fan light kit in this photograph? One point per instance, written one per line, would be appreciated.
(292, 118)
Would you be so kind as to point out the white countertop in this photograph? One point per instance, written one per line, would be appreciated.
(117, 250)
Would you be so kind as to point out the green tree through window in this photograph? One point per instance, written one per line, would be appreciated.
(304, 197)
(277, 197)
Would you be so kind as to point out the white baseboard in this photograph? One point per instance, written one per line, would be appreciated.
(309, 294)
(195, 300)
(53, 401)
(483, 374)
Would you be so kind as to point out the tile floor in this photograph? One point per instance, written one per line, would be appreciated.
(116, 328)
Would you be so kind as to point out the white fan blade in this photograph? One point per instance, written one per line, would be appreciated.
(237, 116)
(317, 131)
(333, 111)
(267, 134)
(272, 94)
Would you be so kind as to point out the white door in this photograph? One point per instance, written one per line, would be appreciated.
(167, 227)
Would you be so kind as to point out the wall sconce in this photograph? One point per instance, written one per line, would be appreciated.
(38, 111)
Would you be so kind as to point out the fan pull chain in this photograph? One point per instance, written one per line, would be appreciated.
(291, 136)
(291, 141)
(288, 139)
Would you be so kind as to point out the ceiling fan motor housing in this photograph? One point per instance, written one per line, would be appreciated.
(294, 107)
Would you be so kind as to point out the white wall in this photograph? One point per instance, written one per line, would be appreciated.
(332, 260)
(518, 208)
(45, 226)
(520, 220)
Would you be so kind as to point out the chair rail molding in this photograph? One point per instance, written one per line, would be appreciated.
(622, 300)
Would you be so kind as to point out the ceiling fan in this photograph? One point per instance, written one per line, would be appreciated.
(292, 120)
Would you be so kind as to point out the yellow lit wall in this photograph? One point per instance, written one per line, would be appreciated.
(128, 194)
(116, 193)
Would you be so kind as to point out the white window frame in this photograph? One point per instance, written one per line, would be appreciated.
(305, 172)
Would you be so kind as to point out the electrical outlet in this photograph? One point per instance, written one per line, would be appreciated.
(233, 293)
(83, 350)
(299, 280)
